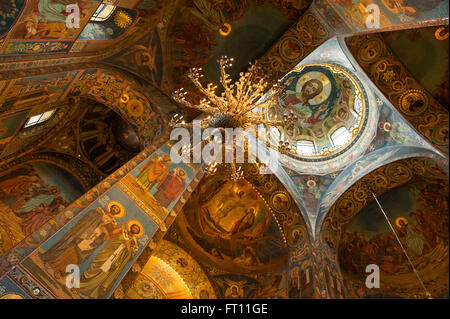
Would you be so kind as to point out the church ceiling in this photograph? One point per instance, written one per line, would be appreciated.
(36, 27)
(35, 175)
(417, 210)
(197, 38)
(232, 227)
(281, 235)
(416, 184)
(414, 47)
(240, 262)
(42, 93)
(384, 130)
(165, 53)
(42, 28)
(103, 142)
(379, 181)
(105, 139)
(349, 16)
(340, 88)
(333, 99)
(357, 170)
(85, 174)
(392, 78)
(181, 276)
(9, 12)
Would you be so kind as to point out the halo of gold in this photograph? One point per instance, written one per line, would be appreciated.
(122, 209)
(182, 170)
(225, 33)
(323, 79)
(12, 296)
(417, 94)
(438, 35)
(397, 221)
(311, 183)
(124, 98)
(135, 222)
(122, 19)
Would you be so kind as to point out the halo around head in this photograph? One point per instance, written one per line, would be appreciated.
(135, 222)
(397, 222)
(12, 296)
(116, 203)
(181, 172)
(326, 85)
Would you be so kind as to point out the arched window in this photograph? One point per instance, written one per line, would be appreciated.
(305, 147)
(340, 136)
(39, 118)
(103, 12)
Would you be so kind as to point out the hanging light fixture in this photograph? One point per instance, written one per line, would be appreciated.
(241, 104)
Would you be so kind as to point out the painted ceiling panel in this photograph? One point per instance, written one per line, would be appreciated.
(260, 236)
(120, 20)
(40, 26)
(43, 27)
(355, 13)
(9, 12)
(199, 36)
(424, 52)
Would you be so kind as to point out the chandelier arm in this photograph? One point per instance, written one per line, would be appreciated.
(239, 87)
(211, 96)
(263, 104)
(194, 106)
(258, 94)
(223, 76)
(183, 125)
(268, 122)
(225, 79)
(245, 86)
(185, 103)
(246, 105)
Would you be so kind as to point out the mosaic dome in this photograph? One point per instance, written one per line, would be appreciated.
(331, 108)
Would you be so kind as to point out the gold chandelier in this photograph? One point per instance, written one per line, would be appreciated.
(242, 104)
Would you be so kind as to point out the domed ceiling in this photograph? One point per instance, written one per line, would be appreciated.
(343, 124)
(106, 139)
(331, 108)
(417, 211)
(336, 112)
(414, 48)
(251, 238)
(202, 31)
(230, 225)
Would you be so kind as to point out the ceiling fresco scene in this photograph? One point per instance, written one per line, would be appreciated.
(224, 149)
(432, 74)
